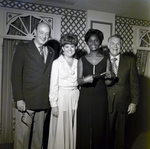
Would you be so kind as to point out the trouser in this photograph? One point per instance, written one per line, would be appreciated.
(23, 127)
(117, 126)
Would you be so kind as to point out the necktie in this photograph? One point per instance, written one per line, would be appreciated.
(114, 65)
(41, 52)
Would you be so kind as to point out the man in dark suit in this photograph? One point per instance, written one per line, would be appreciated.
(123, 93)
(30, 83)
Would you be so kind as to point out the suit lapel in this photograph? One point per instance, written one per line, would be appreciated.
(35, 53)
(49, 57)
(122, 64)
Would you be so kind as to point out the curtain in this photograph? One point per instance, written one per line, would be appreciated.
(144, 103)
(143, 65)
(7, 103)
(147, 70)
(145, 94)
(141, 61)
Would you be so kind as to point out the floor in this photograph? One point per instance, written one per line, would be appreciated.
(138, 131)
(6, 146)
(141, 142)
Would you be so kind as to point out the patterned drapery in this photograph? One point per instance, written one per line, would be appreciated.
(141, 61)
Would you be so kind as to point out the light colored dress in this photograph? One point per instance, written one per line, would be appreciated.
(64, 94)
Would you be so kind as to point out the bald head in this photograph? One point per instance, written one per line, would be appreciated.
(43, 24)
(43, 31)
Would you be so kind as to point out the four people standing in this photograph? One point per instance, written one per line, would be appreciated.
(31, 71)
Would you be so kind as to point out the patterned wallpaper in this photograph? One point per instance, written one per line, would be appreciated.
(124, 27)
(72, 21)
(75, 21)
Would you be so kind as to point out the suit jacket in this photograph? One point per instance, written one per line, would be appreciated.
(31, 77)
(126, 89)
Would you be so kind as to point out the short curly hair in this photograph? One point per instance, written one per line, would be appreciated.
(68, 38)
(96, 32)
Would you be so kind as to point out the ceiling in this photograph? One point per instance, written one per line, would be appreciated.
(139, 9)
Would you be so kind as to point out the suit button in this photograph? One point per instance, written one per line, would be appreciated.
(114, 93)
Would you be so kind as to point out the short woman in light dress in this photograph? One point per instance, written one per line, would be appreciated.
(63, 96)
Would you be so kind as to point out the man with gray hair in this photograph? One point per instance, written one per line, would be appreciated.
(123, 92)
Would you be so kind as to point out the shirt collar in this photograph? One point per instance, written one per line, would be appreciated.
(118, 57)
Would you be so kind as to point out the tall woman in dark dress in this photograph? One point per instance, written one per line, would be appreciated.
(92, 105)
